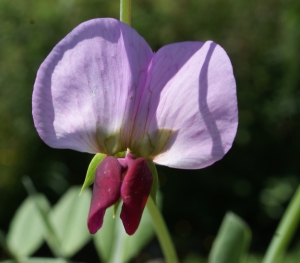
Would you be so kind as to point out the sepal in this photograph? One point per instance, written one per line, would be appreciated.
(90, 174)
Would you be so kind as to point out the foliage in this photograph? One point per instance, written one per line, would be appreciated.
(67, 222)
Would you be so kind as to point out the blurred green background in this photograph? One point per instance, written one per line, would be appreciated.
(254, 180)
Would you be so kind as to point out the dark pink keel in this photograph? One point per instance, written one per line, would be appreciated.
(106, 191)
(135, 190)
(109, 187)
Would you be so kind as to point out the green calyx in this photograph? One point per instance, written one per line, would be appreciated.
(90, 174)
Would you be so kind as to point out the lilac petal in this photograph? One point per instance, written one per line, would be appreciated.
(135, 190)
(87, 84)
(190, 90)
(106, 191)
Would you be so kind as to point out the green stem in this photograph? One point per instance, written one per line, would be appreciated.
(162, 232)
(285, 231)
(52, 239)
(125, 11)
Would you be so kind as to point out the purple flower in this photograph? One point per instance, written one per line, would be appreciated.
(103, 90)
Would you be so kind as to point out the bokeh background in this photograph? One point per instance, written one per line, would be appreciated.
(255, 179)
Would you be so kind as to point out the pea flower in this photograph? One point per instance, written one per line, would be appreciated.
(103, 90)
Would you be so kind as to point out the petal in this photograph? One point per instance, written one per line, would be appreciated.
(190, 95)
(106, 191)
(87, 83)
(135, 190)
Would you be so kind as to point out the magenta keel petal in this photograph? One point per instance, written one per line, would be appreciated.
(134, 192)
(106, 191)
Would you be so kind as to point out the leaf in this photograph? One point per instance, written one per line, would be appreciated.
(90, 174)
(69, 217)
(39, 260)
(154, 187)
(44, 208)
(232, 242)
(26, 230)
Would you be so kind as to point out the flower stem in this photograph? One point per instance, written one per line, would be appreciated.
(162, 232)
(284, 231)
(125, 11)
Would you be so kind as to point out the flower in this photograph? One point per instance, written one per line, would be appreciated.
(103, 90)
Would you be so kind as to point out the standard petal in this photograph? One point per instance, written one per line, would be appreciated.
(87, 83)
(190, 105)
(106, 191)
(135, 190)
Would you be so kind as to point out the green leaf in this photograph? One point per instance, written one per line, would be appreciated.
(39, 260)
(25, 234)
(154, 187)
(90, 174)
(69, 217)
(104, 238)
(44, 208)
(232, 242)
